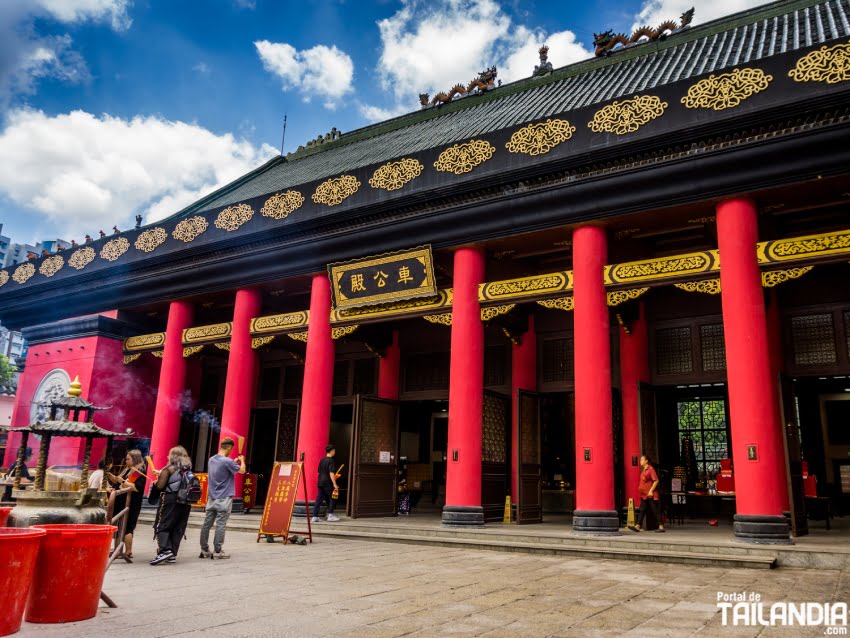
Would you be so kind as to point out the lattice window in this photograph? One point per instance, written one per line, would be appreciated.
(530, 430)
(293, 380)
(673, 351)
(286, 433)
(713, 347)
(494, 366)
(377, 431)
(704, 420)
(426, 372)
(558, 360)
(813, 338)
(364, 376)
(340, 383)
(494, 430)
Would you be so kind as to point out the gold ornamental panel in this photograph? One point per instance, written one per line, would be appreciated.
(443, 300)
(536, 285)
(773, 278)
(540, 138)
(51, 265)
(334, 191)
(395, 175)
(144, 342)
(343, 331)
(796, 248)
(275, 323)
(663, 267)
(444, 319)
(114, 248)
(189, 229)
(561, 303)
(223, 346)
(233, 217)
(618, 297)
(727, 90)
(830, 65)
(81, 258)
(151, 239)
(207, 333)
(23, 273)
(491, 312)
(129, 358)
(280, 205)
(158, 354)
(705, 286)
(298, 336)
(627, 116)
(188, 351)
(4, 278)
(462, 158)
(259, 342)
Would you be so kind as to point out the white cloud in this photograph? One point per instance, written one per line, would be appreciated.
(84, 173)
(654, 12)
(203, 68)
(320, 71)
(70, 11)
(378, 114)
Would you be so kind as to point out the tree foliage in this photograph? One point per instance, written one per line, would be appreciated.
(7, 371)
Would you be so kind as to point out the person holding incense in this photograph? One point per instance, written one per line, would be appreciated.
(327, 485)
(132, 475)
(220, 492)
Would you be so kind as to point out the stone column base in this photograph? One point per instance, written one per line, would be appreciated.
(463, 516)
(596, 522)
(762, 530)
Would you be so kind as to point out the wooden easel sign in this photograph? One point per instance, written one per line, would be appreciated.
(280, 502)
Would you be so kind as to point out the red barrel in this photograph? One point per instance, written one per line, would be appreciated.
(4, 515)
(18, 552)
(69, 573)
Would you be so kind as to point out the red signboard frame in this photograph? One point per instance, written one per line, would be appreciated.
(280, 501)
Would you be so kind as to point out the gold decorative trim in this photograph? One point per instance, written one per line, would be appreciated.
(298, 336)
(395, 175)
(443, 319)
(561, 303)
(129, 358)
(343, 331)
(280, 205)
(537, 285)
(151, 239)
(189, 229)
(828, 64)
(223, 346)
(540, 138)
(773, 278)
(626, 233)
(144, 342)
(705, 286)
(462, 158)
(158, 353)
(491, 312)
(114, 248)
(275, 323)
(663, 267)
(259, 342)
(334, 191)
(443, 300)
(232, 217)
(616, 297)
(627, 116)
(23, 273)
(727, 90)
(796, 248)
(51, 265)
(207, 333)
(703, 220)
(82, 258)
(188, 351)
(4, 278)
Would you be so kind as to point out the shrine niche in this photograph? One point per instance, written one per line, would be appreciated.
(52, 387)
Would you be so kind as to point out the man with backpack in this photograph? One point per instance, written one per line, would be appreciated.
(220, 492)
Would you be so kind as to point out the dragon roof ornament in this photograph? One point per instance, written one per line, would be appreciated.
(485, 81)
(606, 41)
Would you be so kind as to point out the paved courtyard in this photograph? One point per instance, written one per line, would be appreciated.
(347, 588)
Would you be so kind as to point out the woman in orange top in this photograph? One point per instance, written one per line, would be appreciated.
(648, 488)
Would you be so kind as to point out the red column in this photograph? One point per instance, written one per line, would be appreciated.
(466, 393)
(634, 368)
(315, 425)
(756, 444)
(388, 371)
(523, 377)
(172, 383)
(242, 366)
(594, 437)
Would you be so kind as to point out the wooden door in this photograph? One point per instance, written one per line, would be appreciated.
(793, 457)
(648, 421)
(495, 456)
(287, 432)
(374, 458)
(259, 455)
(529, 502)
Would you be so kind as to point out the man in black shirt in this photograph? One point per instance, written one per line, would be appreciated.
(327, 485)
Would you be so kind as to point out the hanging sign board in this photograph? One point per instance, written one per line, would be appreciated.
(280, 500)
(202, 479)
(389, 277)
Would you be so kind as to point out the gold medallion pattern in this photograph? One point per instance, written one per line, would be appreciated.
(561, 303)
(617, 297)
(129, 358)
(773, 278)
(114, 248)
(51, 265)
(462, 158)
(232, 217)
(526, 286)
(443, 319)
(159, 354)
(279, 205)
(726, 90)
(828, 64)
(338, 333)
(223, 346)
(142, 342)
(189, 229)
(82, 258)
(188, 351)
(663, 267)
(259, 342)
(151, 239)
(298, 336)
(705, 286)
(23, 273)
(335, 191)
(4, 278)
(395, 175)
(271, 323)
(805, 246)
(491, 312)
(627, 116)
(208, 332)
(540, 138)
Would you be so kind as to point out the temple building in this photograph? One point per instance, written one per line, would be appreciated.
(515, 291)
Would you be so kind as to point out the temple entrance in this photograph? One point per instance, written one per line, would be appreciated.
(260, 454)
(495, 454)
(374, 458)
(529, 498)
(557, 453)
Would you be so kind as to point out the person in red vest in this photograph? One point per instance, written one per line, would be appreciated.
(648, 487)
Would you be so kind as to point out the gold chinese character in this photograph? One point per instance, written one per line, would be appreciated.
(248, 482)
(357, 283)
(381, 277)
(404, 275)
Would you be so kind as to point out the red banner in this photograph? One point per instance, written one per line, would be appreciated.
(202, 479)
(249, 492)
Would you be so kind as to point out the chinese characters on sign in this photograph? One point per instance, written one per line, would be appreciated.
(249, 489)
(280, 500)
(202, 479)
(390, 277)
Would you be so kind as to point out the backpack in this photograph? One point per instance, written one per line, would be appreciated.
(189, 490)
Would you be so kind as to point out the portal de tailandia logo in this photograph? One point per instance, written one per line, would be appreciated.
(746, 609)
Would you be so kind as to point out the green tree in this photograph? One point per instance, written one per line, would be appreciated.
(7, 371)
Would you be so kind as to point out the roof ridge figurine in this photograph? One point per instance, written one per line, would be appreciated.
(485, 81)
(545, 67)
(606, 41)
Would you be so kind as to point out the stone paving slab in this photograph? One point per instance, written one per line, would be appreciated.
(340, 588)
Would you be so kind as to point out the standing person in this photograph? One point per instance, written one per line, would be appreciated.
(648, 488)
(133, 475)
(327, 485)
(220, 492)
(173, 516)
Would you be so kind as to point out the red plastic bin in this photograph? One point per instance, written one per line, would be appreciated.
(4, 515)
(18, 553)
(69, 573)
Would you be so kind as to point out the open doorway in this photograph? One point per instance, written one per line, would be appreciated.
(261, 448)
(342, 418)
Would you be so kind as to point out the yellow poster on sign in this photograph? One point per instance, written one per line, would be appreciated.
(507, 517)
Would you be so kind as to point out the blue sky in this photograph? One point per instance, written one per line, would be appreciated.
(110, 108)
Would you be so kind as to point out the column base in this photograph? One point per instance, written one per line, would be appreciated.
(762, 530)
(596, 522)
(463, 516)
